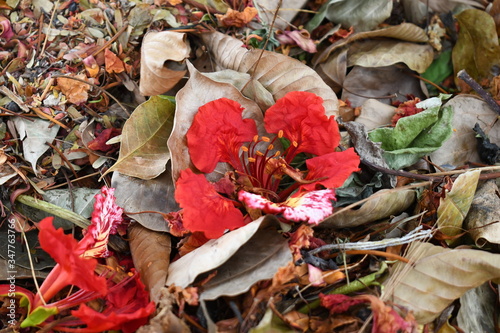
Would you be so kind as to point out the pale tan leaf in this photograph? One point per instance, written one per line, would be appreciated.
(477, 309)
(375, 114)
(278, 73)
(162, 61)
(461, 146)
(382, 204)
(143, 152)
(405, 31)
(380, 53)
(198, 91)
(483, 219)
(151, 255)
(334, 70)
(286, 13)
(363, 15)
(444, 6)
(437, 276)
(455, 206)
(214, 253)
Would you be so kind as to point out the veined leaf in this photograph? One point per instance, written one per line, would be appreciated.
(143, 152)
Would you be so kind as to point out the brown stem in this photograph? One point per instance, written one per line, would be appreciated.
(463, 75)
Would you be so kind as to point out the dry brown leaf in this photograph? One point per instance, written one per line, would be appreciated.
(382, 204)
(461, 147)
(112, 62)
(76, 92)
(234, 18)
(276, 72)
(162, 61)
(198, 91)
(437, 276)
(151, 254)
(483, 219)
(375, 114)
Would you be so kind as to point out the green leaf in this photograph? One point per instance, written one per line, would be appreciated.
(454, 207)
(39, 315)
(144, 152)
(414, 136)
(477, 47)
(440, 68)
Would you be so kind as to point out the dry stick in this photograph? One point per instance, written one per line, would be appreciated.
(48, 28)
(379, 253)
(63, 158)
(111, 41)
(41, 114)
(463, 75)
(72, 181)
(12, 113)
(97, 87)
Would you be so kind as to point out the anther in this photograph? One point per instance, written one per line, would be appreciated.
(259, 153)
(280, 134)
(265, 139)
(244, 148)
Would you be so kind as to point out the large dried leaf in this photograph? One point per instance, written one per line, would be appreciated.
(405, 31)
(363, 83)
(278, 73)
(477, 47)
(437, 276)
(215, 252)
(375, 114)
(380, 53)
(483, 218)
(151, 255)
(382, 204)
(143, 152)
(362, 14)
(257, 260)
(198, 91)
(34, 135)
(478, 308)
(454, 207)
(444, 6)
(155, 195)
(461, 146)
(287, 11)
(162, 61)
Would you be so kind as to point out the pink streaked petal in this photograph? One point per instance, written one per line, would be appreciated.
(315, 275)
(311, 207)
(106, 218)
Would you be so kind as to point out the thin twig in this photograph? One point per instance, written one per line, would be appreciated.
(111, 41)
(68, 163)
(463, 75)
(72, 181)
(48, 29)
(41, 114)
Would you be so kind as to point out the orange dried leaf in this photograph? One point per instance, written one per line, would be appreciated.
(112, 62)
(234, 18)
(75, 91)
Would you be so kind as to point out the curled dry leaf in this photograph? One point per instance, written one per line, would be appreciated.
(198, 91)
(162, 61)
(362, 14)
(483, 219)
(382, 204)
(437, 276)
(278, 73)
(75, 91)
(151, 254)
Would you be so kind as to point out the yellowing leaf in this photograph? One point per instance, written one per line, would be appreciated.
(143, 152)
(437, 276)
(455, 206)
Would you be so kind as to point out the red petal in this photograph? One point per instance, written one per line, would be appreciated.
(338, 303)
(99, 143)
(331, 169)
(204, 209)
(217, 133)
(73, 269)
(301, 117)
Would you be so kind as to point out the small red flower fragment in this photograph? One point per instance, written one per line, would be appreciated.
(217, 133)
(204, 209)
(311, 207)
(331, 170)
(406, 109)
(338, 303)
(301, 117)
(99, 143)
(127, 308)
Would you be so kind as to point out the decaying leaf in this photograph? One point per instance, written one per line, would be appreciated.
(75, 91)
(143, 152)
(154, 195)
(151, 254)
(362, 15)
(198, 91)
(267, 9)
(477, 46)
(382, 204)
(483, 219)
(276, 72)
(375, 114)
(234, 18)
(461, 147)
(454, 207)
(162, 61)
(380, 53)
(477, 309)
(437, 276)
(34, 135)
(216, 252)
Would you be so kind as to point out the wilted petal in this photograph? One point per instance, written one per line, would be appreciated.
(204, 209)
(310, 207)
(301, 38)
(217, 133)
(301, 117)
